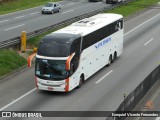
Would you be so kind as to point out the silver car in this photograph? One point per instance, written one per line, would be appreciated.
(51, 7)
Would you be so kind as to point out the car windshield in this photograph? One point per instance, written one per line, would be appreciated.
(49, 5)
(51, 69)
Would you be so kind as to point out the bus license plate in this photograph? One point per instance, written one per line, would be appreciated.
(50, 88)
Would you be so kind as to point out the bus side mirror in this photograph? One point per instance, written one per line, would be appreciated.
(30, 58)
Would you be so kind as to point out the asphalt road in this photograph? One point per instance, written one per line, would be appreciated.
(141, 55)
(12, 25)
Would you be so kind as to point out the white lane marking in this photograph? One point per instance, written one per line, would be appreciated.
(4, 21)
(34, 13)
(67, 11)
(14, 27)
(148, 41)
(17, 99)
(104, 76)
(19, 17)
(141, 24)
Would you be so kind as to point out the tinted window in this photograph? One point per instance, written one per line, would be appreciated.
(121, 22)
(57, 45)
(75, 48)
(53, 49)
(101, 33)
(95, 36)
(113, 28)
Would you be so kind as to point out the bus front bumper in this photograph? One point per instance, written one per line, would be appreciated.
(51, 85)
(49, 88)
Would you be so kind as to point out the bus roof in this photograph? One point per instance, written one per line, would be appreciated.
(88, 25)
(63, 38)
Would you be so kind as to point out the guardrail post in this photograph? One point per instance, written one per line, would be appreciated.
(23, 41)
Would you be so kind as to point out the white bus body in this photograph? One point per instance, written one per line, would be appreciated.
(101, 42)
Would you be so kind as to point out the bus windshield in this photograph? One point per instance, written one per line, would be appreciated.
(51, 69)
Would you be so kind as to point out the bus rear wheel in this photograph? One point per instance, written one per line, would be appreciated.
(110, 60)
(81, 81)
(115, 56)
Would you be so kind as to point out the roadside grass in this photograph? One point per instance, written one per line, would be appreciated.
(133, 7)
(9, 61)
(17, 5)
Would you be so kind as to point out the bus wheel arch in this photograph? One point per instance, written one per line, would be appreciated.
(81, 80)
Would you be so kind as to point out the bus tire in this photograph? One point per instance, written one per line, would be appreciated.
(115, 56)
(81, 81)
(110, 60)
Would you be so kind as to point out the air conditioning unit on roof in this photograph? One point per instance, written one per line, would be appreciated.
(87, 22)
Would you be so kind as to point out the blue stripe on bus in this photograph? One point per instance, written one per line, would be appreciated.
(102, 43)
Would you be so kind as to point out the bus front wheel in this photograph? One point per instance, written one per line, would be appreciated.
(80, 81)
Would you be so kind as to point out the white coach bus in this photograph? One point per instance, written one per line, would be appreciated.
(69, 56)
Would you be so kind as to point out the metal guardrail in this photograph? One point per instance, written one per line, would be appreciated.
(139, 92)
(137, 95)
(16, 41)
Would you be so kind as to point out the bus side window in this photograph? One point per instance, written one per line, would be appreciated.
(75, 48)
(121, 23)
(72, 69)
